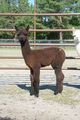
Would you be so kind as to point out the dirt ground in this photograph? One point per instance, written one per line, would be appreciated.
(17, 104)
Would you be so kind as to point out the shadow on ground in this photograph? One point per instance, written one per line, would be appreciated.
(72, 85)
(50, 86)
(1, 118)
(42, 87)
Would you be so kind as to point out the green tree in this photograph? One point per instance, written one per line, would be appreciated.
(43, 6)
(51, 6)
(14, 6)
(57, 6)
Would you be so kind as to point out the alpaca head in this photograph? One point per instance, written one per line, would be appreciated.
(22, 33)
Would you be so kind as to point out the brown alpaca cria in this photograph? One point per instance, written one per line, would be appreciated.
(35, 59)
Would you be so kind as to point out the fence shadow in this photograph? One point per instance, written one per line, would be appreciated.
(23, 86)
(1, 118)
(50, 86)
(42, 87)
(72, 85)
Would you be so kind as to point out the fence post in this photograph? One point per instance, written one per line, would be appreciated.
(34, 23)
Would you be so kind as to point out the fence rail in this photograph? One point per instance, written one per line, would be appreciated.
(39, 14)
(39, 30)
(24, 68)
(39, 44)
(11, 57)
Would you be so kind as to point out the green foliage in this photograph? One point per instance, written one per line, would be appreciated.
(58, 6)
(14, 6)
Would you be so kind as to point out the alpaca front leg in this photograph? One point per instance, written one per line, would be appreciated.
(36, 82)
(59, 81)
(36, 88)
(32, 87)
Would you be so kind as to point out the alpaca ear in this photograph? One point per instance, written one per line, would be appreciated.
(27, 28)
(16, 28)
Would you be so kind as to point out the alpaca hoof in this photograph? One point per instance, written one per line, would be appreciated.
(56, 92)
(36, 95)
(31, 93)
(60, 90)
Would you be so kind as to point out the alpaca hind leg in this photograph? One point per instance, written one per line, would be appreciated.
(59, 80)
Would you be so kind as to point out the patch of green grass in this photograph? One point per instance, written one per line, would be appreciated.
(9, 47)
(69, 96)
(11, 89)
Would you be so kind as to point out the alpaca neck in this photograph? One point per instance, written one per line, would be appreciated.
(25, 48)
